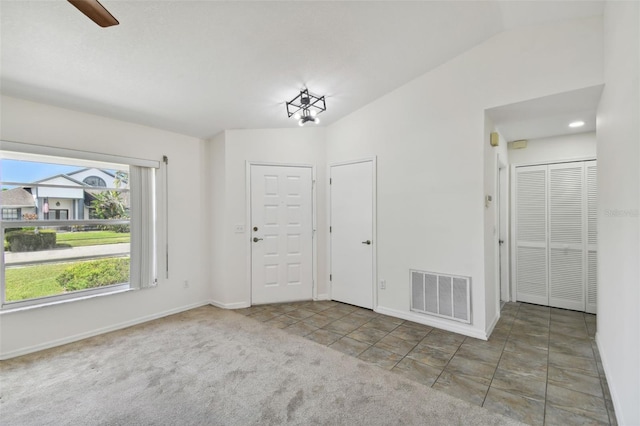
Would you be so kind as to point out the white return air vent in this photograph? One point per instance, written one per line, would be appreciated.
(446, 296)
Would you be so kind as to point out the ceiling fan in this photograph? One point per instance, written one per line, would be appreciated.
(95, 11)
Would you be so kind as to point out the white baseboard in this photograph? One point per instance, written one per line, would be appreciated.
(98, 331)
(612, 388)
(235, 305)
(324, 296)
(433, 322)
(493, 324)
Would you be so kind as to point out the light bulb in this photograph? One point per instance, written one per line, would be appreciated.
(296, 116)
(316, 120)
(301, 122)
(313, 113)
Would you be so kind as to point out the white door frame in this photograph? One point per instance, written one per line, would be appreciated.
(502, 219)
(314, 240)
(374, 284)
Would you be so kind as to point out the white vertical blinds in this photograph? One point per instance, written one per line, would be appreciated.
(555, 235)
(143, 224)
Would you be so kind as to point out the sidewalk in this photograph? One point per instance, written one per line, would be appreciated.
(65, 254)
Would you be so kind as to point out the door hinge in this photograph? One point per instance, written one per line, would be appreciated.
(330, 277)
(330, 181)
(330, 229)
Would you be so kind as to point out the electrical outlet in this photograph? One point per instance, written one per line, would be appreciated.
(186, 283)
(383, 284)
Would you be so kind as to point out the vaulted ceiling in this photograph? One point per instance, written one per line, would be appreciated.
(199, 67)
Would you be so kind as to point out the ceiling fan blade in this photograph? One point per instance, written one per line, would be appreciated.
(95, 11)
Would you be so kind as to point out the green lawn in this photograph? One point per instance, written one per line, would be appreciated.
(39, 281)
(28, 282)
(91, 238)
(33, 281)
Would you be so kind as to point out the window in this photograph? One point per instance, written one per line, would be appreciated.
(11, 214)
(79, 241)
(95, 181)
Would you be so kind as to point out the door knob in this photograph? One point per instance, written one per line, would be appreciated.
(368, 242)
(256, 239)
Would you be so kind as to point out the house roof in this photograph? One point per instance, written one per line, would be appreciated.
(106, 172)
(64, 176)
(16, 198)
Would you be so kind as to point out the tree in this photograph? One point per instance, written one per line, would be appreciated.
(111, 205)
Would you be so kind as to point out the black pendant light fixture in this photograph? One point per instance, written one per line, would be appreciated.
(305, 107)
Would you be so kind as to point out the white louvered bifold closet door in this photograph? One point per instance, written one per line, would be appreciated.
(556, 235)
(566, 230)
(531, 234)
(591, 172)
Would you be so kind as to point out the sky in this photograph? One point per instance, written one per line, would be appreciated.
(28, 171)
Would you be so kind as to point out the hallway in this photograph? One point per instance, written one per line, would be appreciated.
(540, 366)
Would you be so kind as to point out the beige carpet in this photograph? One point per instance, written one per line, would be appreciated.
(209, 366)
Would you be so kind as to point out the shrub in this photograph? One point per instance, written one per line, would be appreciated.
(94, 273)
(120, 229)
(30, 240)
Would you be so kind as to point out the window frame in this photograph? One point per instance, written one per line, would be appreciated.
(28, 152)
(18, 212)
(101, 182)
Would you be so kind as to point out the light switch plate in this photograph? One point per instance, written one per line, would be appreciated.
(239, 228)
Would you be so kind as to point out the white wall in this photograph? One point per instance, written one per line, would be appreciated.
(618, 334)
(428, 137)
(294, 146)
(579, 146)
(37, 328)
(216, 208)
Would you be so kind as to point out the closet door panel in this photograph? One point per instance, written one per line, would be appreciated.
(591, 174)
(531, 234)
(566, 236)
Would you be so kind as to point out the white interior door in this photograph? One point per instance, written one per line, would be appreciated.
(352, 230)
(281, 234)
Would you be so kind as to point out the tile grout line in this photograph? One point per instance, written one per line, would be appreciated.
(449, 362)
(403, 357)
(546, 382)
(500, 358)
(411, 350)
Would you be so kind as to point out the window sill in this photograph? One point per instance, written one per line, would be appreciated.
(19, 306)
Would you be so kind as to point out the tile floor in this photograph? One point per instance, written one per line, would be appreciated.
(540, 366)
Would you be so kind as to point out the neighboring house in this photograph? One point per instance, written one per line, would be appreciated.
(16, 203)
(73, 201)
